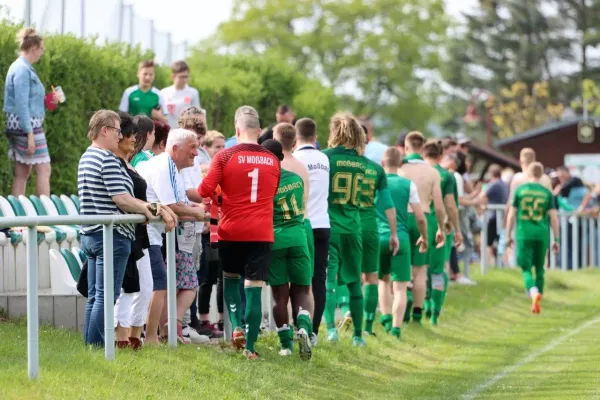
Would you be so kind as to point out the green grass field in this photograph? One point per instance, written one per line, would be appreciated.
(487, 346)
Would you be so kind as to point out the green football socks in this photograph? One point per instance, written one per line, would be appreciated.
(386, 321)
(343, 299)
(330, 302)
(304, 321)
(253, 315)
(528, 279)
(356, 307)
(233, 300)
(371, 299)
(285, 337)
(396, 332)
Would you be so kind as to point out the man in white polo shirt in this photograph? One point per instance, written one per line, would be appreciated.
(165, 185)
(317, 164)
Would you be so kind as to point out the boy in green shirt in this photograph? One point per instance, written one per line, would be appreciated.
(534, 209)
(143, 98)
(392, 264)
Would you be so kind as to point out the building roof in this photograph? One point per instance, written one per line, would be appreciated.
(493, 155)
(551, 127)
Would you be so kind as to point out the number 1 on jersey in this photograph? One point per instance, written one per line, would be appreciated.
(254, 186)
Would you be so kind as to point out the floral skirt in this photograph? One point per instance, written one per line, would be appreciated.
(17, 141)
(186, 276)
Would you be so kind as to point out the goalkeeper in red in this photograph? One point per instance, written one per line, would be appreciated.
(534, 209)
(347, 169)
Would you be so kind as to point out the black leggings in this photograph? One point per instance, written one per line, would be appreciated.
(211, 275)
(454, 261)
(318, 282)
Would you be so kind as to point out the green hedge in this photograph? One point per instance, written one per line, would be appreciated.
(94, 76)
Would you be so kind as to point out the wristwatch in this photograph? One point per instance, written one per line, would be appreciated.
(154, 208)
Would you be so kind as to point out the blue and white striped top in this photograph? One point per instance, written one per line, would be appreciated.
(99, 177)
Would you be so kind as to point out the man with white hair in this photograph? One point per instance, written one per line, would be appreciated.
(165, 185)
(244, 179)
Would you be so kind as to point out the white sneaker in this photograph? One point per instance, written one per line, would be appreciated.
(314, 339)
(285, 352)
(463, 280)
(194, 336)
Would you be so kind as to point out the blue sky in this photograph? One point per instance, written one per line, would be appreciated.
(189, 20)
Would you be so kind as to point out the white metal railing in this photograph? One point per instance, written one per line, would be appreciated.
(108, 222)
(574, 229)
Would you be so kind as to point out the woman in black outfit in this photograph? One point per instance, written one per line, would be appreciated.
(132, 306)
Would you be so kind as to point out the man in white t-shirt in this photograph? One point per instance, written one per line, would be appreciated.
(317, 164)
(165, 185)
(180, 95)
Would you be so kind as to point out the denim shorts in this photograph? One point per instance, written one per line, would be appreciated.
(159, 268)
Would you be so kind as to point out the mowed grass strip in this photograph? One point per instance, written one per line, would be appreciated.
(483, 329)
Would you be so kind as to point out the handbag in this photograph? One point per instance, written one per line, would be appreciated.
(82, 282)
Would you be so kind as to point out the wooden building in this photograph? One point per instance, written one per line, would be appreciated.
(553, 141)
(483, 156)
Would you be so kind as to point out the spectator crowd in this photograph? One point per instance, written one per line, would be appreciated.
(150, 158)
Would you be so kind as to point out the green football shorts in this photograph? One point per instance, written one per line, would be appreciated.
(397, 266)
(370, 251)
(531, 253)
(420, 259)
(290, 265)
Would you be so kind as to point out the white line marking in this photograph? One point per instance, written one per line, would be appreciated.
(512, 368)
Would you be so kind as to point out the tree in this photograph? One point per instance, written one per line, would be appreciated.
(521, 108)
(591, 95)
(373, 52)
(506, 42)
(582, 17)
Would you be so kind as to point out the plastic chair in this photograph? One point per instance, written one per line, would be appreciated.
(72, 231)
(60, 207)
(72, 263)
(76, 202)
(31, 211)
(69, 205)
(61, 280)
(6, 210)
(16, 206)
(77, 252)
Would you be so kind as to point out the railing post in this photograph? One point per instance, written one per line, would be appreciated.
(226, 321)
(33, 341)
(593, 242)
(171, 289)
(272, 324)
(552, 255)
(483, 243)
(575, 242)
(109, 293)
(584, 245)
(564, 236)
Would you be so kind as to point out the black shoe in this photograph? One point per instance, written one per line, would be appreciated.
(221, 325)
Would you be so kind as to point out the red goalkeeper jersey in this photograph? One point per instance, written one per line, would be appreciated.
(248, 175)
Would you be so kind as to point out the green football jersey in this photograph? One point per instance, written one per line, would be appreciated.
(399, 191)
(288, 212)
(346, 171)
(137, 102)
(533, 201)
(374, 183)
